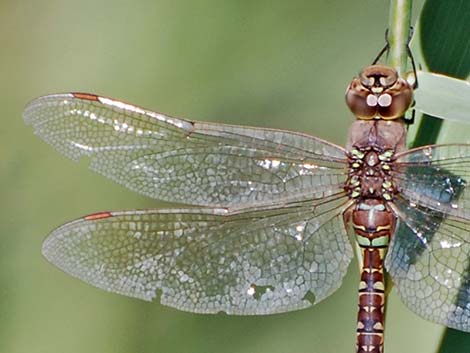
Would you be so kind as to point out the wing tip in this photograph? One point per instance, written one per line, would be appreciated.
(31, 108)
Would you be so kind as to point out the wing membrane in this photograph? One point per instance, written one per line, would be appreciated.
(254, 261)
(183, 161)
(436, 177)
(429, 261)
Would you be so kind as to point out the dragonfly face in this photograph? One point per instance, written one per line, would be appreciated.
(266, 233)
(378, 93)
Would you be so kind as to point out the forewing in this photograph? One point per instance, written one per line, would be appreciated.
(436, 177)
(184, 161)
(256, 261)
(429, 262)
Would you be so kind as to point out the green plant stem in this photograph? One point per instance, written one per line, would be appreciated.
(398, 37)
(399, 33)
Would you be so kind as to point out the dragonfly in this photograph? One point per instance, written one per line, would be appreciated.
(271, 215)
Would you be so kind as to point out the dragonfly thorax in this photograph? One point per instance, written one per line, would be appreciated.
(379, 93)
(370, 174)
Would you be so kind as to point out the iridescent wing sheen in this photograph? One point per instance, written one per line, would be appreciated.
(251, 261)
(435, 177)
(429, 262)
(184, 161)
(429, 257)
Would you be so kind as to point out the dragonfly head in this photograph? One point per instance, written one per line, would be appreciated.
(379, 93)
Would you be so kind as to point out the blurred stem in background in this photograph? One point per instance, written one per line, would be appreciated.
(399, 33)
(398, 37)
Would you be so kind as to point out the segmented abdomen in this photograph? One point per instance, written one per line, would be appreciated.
(373, 224)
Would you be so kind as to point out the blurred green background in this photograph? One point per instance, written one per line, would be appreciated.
(263, 63)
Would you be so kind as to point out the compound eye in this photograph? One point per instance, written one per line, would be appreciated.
(361, 101)
(401, 97)
(378, 93)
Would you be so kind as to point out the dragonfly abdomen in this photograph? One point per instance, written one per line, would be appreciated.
(371, 316)
(373, 225)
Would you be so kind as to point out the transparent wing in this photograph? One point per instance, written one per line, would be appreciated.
(436, 177)
(184, 161)
(429, 262)
(255, 261)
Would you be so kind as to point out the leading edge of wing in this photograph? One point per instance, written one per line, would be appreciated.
(183, 161)
(189, 126)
